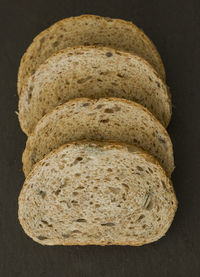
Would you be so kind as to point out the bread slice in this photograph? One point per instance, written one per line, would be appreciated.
(97, 193)
(92, 72)
(88, 30)
(102, 119)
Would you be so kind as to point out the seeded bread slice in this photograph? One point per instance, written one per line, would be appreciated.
(92, 72)
(97, 193)
(88, 30)
(102, 119)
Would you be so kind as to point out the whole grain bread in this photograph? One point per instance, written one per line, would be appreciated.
(97, 193)
(99, 119)
(92, 72)
(88, 30)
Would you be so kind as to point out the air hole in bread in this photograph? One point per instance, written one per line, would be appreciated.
(158, 84)
(74, 202)
(108, 111)
(78, 159)
(43, 194)
(163, 183)
(120, 75)
(162, 140)
(29, 96)
(81, 220)
(76, 232)
(109, 224)
(33, 156)
(66, 236)
(56, 43)
(77, 174)
(109, 54)
(43, 39)
(83, 80)
(85, 104)
(150, 170)
(141, 217)
(104, 120)
(46, 223)
(125, 186)
(57, 192)
(114, 190)
(64, 201)
(42, 237)
(80, 187)
(148, 201)
(32, 71)
(99, 106)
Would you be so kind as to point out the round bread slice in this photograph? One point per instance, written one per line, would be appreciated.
(88, 30)
(92, 72)
(97, 193)
(99, 119)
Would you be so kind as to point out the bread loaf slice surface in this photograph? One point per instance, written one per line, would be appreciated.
(92, 72)
(88, 30)
(97, 193)
(99, 119)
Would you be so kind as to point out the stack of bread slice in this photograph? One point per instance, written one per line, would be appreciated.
(98, 160)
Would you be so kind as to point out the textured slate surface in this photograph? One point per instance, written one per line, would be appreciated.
(174, 28)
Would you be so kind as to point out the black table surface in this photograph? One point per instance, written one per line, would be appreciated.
(174, 26)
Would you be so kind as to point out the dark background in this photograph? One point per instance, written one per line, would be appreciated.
(174, 26)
